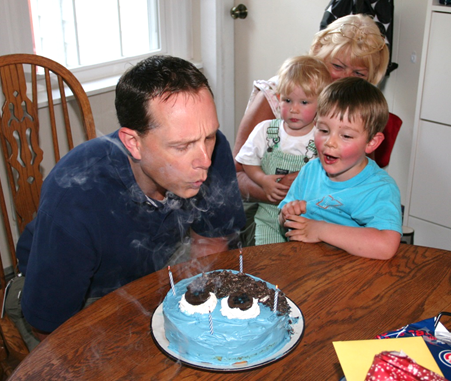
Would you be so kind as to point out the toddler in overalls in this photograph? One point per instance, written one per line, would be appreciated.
(280, 147)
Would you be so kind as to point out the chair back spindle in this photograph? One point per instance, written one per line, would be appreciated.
(41, 105)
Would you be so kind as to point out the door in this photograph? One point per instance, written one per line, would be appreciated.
(273, 31)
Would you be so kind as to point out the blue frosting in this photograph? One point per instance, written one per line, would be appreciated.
(233, 340)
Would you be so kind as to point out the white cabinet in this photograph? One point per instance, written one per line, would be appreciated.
(429, 203)
(436, 104)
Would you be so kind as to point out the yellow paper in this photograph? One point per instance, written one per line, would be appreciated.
(357, 356)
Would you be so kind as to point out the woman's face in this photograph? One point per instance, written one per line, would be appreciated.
(341, 66)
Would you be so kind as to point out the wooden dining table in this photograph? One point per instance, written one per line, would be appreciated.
(341, 296)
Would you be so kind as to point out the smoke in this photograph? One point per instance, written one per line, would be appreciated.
(211, 212)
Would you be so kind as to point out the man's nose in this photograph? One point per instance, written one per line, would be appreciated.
(203, 157)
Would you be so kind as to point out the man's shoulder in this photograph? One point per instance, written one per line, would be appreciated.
(94, 148)
(87, 169)
(89, 155)
(221, 141)
(222, 152)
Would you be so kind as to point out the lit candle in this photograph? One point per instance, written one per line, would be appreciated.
(276, 298)
(171, 280)
(210, 319)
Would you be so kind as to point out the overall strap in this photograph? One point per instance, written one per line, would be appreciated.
(272, 135)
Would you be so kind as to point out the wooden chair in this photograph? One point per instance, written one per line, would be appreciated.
(30, 85)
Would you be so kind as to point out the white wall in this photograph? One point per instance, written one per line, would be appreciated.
(401, 87)
(272, 32)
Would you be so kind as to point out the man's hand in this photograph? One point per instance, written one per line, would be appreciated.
(202, 246)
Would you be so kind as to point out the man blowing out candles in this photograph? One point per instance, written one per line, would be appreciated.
(117, 207)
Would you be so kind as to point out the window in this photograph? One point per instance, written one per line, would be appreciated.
(87, 32)
(98, 39)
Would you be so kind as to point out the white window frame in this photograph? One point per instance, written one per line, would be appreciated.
(175, 17)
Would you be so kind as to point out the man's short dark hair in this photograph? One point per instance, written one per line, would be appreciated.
(154, 77)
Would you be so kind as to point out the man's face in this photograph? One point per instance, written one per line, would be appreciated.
(176, 155)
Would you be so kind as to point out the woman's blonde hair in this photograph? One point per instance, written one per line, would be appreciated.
(309, 73)
(358, 37)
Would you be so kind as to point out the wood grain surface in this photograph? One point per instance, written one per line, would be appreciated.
(342, 297)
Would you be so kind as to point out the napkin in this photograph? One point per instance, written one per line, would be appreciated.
(399, 366)
(356, 357)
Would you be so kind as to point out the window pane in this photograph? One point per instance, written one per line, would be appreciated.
(135, 29)
(48, 33)
(98, 30)
(86, 32)
(70, 37)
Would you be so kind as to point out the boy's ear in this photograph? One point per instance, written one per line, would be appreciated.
(131, 141)
(374, 143)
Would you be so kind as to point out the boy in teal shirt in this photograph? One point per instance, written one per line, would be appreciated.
(343, 198)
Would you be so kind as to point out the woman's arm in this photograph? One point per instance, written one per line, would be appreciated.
(258, 111)
(274, 190)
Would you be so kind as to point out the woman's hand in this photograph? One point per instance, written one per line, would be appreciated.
(288, 179)
(274, 189)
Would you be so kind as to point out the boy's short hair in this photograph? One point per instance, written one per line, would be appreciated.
(358, 98)
(307, 72)
(357, 37)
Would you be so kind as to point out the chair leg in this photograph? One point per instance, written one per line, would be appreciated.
(5, 368)
(407, 235)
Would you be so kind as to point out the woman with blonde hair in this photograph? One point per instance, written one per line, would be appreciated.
(358, 40)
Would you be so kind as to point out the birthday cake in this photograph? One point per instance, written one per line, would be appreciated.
(226, 317)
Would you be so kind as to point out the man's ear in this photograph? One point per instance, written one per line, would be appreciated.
(374, 143)
(131, 141)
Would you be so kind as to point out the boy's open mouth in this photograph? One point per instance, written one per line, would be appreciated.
(329, 157)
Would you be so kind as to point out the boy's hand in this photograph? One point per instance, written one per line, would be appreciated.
(296, 207)
(303, 229)
(274, 190)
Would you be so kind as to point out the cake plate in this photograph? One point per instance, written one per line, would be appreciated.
(158, 334)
